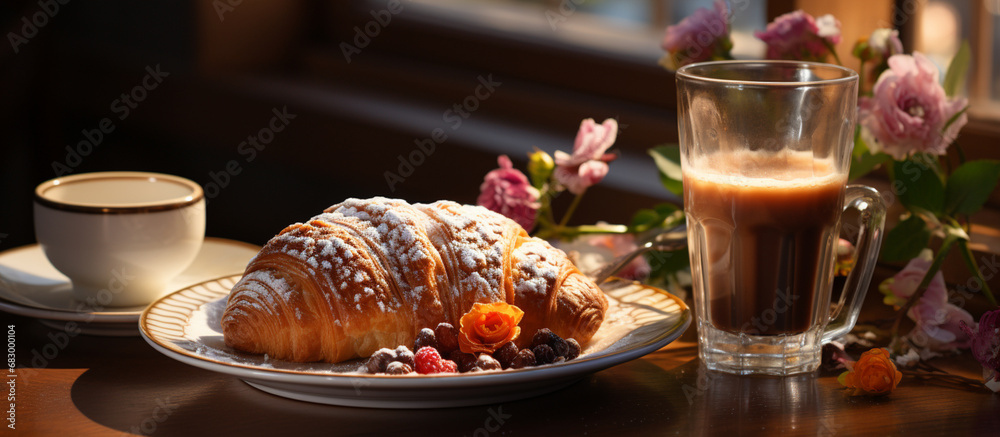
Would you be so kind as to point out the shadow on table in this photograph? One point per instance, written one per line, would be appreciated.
(177, 399)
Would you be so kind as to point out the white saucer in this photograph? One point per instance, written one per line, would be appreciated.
(31, 286)
(186, 326)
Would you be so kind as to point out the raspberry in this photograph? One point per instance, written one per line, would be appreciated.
(425, 338)
(429, 361)
(448, 366)
(447, 337)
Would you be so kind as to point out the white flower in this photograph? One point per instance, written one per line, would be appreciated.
(828, 26)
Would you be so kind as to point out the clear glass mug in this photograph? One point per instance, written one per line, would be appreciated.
(765, 153)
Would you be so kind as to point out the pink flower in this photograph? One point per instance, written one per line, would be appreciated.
(589, 163)
(905, 283)
(909, 109)
(700, 37)
(985, 346)
(800, 37)
(620, 244)
(507, 191)
(938, 323)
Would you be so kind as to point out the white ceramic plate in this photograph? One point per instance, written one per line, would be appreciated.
(31, 286)
(186, 326)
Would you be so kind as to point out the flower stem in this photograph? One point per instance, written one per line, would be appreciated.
(572, 208)
(971, 263)
(949, 241)
(939, 374)
(833, 50)
(861, 78)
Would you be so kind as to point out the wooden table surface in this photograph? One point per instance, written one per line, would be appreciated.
(113, 386)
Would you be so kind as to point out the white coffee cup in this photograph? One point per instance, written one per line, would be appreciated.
(120, 236)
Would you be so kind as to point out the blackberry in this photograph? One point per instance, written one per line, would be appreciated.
(447, 337)
(542, 336)
(379, 360)
(405, 355)
(524, 358)
(505, 355)
(425, 339)
(486, 362)
(398, 368)
(465, 362)
(544, 354)
(559, 346)
(574, 349)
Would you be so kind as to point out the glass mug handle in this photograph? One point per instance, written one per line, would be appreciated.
(869, 203)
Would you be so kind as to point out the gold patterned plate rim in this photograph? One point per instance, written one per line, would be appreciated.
(641, 319)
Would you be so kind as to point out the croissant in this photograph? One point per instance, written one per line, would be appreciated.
(368, 274)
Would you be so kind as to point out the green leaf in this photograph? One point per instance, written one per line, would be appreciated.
(867, 162)
(668, 161)
(905, 240)
(918, 185)
(970, 185)
(955, 77)
(860, 146)
(646, 219)
(662, 264)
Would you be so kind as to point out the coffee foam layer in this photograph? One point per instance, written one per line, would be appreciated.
(785, 169)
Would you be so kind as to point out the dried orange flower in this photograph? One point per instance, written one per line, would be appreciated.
(874, 374)
(487, 326)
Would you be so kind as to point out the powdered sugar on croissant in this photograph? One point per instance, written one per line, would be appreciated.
(367, 274)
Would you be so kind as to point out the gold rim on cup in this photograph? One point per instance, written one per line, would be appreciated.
(196, 195)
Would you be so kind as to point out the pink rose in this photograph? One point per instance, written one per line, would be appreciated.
(908, 110)
(800, 37)
(700, 37)
(985, 344)
(589, 163)
(507, 191)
